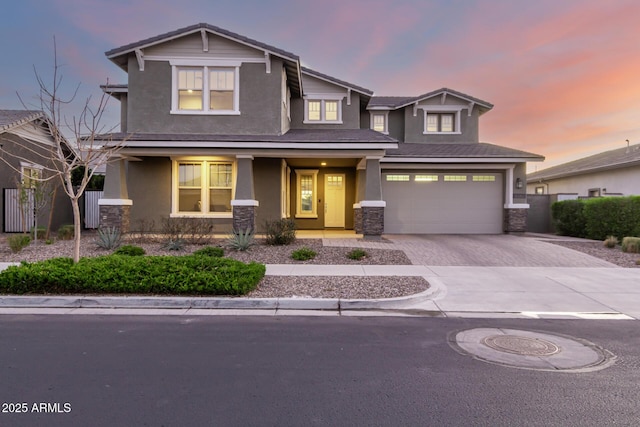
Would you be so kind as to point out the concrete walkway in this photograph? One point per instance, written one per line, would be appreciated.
(470, 276)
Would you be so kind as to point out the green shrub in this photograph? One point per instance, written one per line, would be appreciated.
(49, 241)
(357, 254)
(129, 250)
(42, 232)
(65, 232)
(631, 244)
(109, 238)
(18, 242)
(241, 240)
(303, 254)
(610, 242)
(189, 274)
(210, 251)
(280, 231)
(612, 216)
(568, 218)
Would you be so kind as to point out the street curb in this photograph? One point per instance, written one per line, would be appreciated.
(149, 302)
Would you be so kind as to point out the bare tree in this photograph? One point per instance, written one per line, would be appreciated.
(81, 150)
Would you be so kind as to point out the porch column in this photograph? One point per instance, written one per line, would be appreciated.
(372, 205)
(115, 205)
(244, 203)
(515, 214)
(361, 178)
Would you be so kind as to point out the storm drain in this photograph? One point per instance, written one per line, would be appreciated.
(531, 350)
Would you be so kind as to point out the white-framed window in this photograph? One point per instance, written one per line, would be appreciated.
(379, 121)
(539, 190)
(30, 174)
(307, 192)
(323, 110)
(205, 90)
(442, 120)
(203, 188)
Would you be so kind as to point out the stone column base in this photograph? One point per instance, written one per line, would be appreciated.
(372, 221)
(244, 218)
(118, 216)
(515, 220)
(357, 219)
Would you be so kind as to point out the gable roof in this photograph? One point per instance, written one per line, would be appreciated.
(339, 82)
(12, 118)
(395, 102)
(457, 151)
(613, 159)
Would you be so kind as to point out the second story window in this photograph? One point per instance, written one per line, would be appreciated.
(379, 122)
(205, 90)
(440, 123)
(322, 111)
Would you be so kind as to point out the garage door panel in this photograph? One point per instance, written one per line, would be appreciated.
(456, 207)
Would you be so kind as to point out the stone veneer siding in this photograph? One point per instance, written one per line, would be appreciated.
(357, 220)
(244, 218)
(515, 220)
(118, 216)
(372, 221)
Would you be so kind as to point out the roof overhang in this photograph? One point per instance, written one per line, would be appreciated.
(444, 160)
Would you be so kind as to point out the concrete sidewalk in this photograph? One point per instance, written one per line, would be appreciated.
(456, 291)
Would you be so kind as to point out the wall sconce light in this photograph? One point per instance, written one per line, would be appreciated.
(519, 183)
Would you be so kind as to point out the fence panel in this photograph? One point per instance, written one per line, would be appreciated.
(16, 221)
(91, 208)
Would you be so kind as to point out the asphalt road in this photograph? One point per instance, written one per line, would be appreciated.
(298, 371)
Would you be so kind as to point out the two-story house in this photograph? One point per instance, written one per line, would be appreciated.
(220, 126)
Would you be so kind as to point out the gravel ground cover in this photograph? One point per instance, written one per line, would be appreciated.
(598, 250)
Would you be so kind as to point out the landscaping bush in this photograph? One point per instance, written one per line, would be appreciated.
(568, 218)
(610, 242)
(210, 251)
(357, 254)
(109, 238)
(631, 244)
(65, 232)
(18, 242)
(241, 240)
(612, 216)
(42, 232)
(280, 231)
(114, 274)
(303, 254)
(129, 250)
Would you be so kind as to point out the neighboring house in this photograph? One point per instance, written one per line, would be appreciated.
(612, 173)
(220, 126)
(25, 140)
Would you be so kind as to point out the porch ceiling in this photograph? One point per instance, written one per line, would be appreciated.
(316, 162)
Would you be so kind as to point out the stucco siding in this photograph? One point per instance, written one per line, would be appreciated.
(415, 126)
(266, 177)
(625, 181)
(149, 103)
(350, 115)
(149, 183)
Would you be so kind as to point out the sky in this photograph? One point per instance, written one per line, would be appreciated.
(564, 76)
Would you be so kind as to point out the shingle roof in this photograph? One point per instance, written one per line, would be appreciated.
(613, 159)
(294, 135)
(337, 81)
(394, 102)
(193, 28)
(459, 150)
(12, 118)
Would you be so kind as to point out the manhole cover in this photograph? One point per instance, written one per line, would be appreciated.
(523, 346)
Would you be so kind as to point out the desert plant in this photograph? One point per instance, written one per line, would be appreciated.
(109, 238)
(42, 232)
(631, 244)
(65, 232)
(144, 227)
(357, 254)
(610, 242)
(18, 242)
(129, 250)
(303, 254)
(241, 240)
(48, 241)
(210, 251)
(174, 244)
(280, 231)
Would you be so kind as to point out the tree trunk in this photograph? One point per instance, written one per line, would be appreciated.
(76, 229)
(53, 206)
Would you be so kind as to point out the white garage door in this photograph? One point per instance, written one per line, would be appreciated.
(443, 203)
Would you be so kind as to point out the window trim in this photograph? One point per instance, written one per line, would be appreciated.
(204, 186)
(314, 199)
(456, 111)
(24, 166)
(385, 115)
(323, 99)
(206, 67)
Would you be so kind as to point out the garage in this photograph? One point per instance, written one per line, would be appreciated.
(451, 202)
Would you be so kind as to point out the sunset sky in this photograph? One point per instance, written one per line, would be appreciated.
(564, 76)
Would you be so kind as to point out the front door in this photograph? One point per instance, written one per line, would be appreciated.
(334, 194)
